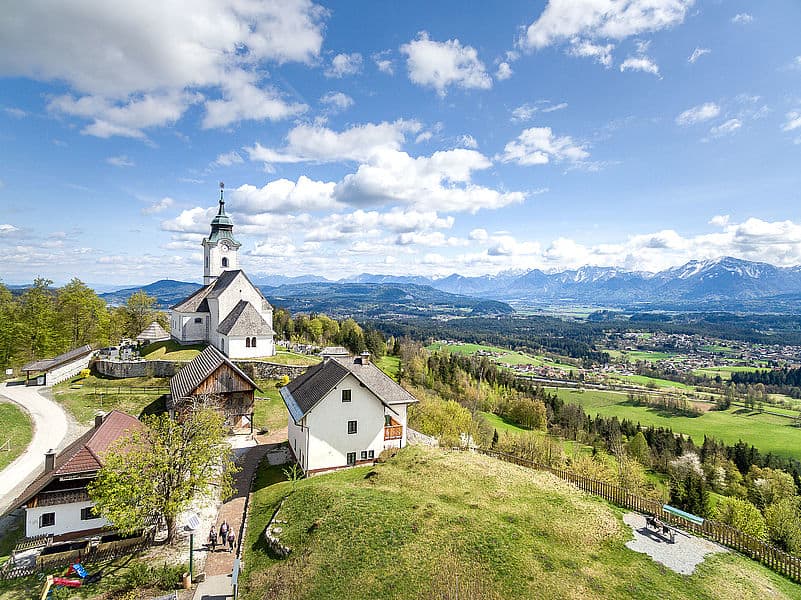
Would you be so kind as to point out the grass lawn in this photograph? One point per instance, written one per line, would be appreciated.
(724, 371)
(292, 358)
(436, 524)
(645, 381)
(16, 431)
(171, 350)
(390, 366)
(768, 433)
(91, 394)
(270, 411)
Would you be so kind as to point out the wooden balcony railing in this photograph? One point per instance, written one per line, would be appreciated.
(393, 432)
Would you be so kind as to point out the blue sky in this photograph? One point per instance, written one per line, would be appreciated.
(400, 138)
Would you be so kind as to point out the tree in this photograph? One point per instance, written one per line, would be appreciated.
(351, 336)
(638, 449)
(82, 316)
(740, 514)
(8, 327)
(153, 474)
(36, 318)
(784, 524)
(139, 313)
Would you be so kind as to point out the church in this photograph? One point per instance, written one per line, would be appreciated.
(228, 312)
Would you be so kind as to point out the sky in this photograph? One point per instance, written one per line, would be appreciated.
(399, 138)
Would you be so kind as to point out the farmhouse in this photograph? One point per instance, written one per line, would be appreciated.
(344, 412)
(57, 369)
(212, 380)
(57, 502)
(228, 312)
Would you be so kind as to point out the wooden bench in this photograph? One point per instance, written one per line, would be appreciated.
(663, 529)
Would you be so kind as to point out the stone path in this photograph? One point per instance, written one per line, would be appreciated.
(682, 557)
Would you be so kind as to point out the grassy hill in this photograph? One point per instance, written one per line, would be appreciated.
(430, 522)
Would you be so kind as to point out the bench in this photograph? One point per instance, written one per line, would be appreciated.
(663, 529)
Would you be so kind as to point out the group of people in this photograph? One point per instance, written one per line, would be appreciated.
(226, 535)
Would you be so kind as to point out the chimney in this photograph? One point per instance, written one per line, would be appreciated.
(50, 460)
(365, 356)
(99, 419)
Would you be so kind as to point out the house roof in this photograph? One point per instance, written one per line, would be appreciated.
(47, 364)
(193, 303)
(244, 319)
(189, 378)
(335, 351)
(303, 393)
(84, 455)
(153, 333)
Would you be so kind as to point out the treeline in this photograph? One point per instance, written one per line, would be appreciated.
(322, 330)
(786, 380)
(42, 321)
(761, 490)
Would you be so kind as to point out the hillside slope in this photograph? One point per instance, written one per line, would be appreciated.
(430, 521)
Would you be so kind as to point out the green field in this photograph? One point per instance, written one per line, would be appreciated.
(390, 366)
(283, 357)
(444, 525)
(269, 411)
(635, 355)
(724, 371)
(171, 350)
(507, 356)
(83, 398)
(16, 431)
(768, 433)
(653, 381)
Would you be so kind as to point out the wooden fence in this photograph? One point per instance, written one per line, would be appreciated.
(774, 558)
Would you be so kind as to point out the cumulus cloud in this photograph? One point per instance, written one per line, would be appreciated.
(602, 53)
(345, 64)
(442, 64)
(7, 228)
(129, 71)
(698, 114)
(601, 19)
(283, 195)
(698, 53)
(337, 100)
(742, 19)
(640, 63)
(539, 146)
(120, 161)
(158, 206)
(382, 61)
(504, 71)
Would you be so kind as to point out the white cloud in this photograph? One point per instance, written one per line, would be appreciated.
(423, 137)
(726, 128)
(698, 53)
(720, 220)
(538, 146)
(159, 206)
(383, 63)
(6, 228)
(229, 158)
(597, 19)
(698, 114)
(793, 121)
(308, 143)
(345, 64)
(524, 112)
(640, 63)
(742, 19)
(337, 100)
(17, 113)
(555, 107)
(478, 235)
(442, 64)
(194, 220)
(504, 71)
(602, 53)
(283, 195)
(139, 65)
(120, 161)
(467, 141)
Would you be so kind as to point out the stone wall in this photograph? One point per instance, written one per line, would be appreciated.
(166, 368)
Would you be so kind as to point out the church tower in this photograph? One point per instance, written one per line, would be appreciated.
(220, 249)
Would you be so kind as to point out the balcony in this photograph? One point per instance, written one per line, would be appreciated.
(393, 432)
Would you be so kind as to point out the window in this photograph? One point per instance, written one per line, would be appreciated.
(224, 262)
(247, 342)
(371, 454)
(198, 319)
(351, 426)
(252, 342)
(351, 458)
(47, 519)
(88, 513)
(364, 454)
(345, 395)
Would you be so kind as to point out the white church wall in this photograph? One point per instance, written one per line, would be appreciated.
(240, 349)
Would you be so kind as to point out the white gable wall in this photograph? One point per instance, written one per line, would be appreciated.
(239, 349)
(185, 329)
(298, 436)
(68, 519)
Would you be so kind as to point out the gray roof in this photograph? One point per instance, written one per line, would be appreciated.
(187, 380)
(46, 364)
(244, 319)
(303, 393)
(198, 302)
(335, 351)
(153, 333)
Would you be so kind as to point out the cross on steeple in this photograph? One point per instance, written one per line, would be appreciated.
(222, 199)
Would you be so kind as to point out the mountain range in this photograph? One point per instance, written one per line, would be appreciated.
(725, 283)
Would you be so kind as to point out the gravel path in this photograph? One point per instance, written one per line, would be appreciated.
(682, 557)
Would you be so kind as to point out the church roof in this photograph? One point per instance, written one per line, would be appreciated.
(196, 302)
(187, 380)
(153, 333)
(244, 319)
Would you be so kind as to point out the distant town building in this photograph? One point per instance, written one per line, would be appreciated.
(344, 411)
(228, 312)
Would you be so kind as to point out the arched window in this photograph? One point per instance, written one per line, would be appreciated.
(252, 342)
(225, 262)
(247, 342)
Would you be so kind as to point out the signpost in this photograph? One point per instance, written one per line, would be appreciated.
(192, 523)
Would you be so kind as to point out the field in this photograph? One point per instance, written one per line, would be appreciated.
(91, 394)
(651, 381)
(16, 431)
(724, 371)
(171, 350)
(766, 432)
(439, 524)
(506, 356)
(390, 366)
(291, 358)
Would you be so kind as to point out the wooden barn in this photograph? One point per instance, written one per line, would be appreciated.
(212, 380)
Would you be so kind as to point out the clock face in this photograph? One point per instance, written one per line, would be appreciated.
(224, 247)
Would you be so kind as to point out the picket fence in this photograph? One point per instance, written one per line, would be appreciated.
(778, 560)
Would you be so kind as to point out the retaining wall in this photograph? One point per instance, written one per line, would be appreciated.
(166, 368)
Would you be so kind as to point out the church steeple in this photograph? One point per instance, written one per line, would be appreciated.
(220, 249)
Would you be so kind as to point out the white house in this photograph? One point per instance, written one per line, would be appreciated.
(344, 411)
(57, 502)
(228, 312)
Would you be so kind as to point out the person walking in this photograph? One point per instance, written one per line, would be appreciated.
(231, 539)
(213, 538)
(223, 532)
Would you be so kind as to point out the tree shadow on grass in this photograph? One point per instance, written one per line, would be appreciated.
(661, 411)
(157, 407)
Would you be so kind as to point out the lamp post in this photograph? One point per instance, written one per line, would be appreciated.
(192, 523)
